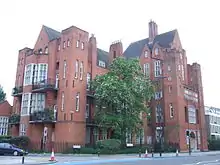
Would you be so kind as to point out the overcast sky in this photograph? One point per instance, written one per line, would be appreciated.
(197, 22)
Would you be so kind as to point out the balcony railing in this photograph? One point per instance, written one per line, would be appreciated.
(46, 85)
(46, 116)
(17, 91)
(14, 119)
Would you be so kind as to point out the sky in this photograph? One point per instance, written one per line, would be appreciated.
(197, 23)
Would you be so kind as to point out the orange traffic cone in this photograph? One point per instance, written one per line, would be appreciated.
(52, 157)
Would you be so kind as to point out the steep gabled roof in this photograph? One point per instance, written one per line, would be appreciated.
(52, 34)
(135, 48)
(102, 56)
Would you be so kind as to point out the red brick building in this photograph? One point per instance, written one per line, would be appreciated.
(5, 113)
(51, 89)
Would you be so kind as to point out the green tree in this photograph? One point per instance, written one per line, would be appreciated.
(2, 94)
(121, 96)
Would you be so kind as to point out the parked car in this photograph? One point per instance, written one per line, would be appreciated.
(10, 149)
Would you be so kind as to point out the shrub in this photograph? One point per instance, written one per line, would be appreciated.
(2, 138)
(109, 144)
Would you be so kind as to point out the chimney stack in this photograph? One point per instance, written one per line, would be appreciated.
(153, 31)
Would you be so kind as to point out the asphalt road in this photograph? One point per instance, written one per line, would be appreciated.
(199, 160)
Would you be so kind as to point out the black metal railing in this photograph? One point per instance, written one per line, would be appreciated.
(14, 119)
(45, 85)
(17, 91)
(45, 116)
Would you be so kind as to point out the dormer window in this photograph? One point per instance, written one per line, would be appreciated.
(46, 50)
(101, 63)
(156, 51)
(68, 43)
(64, 44)
(40, 51)
(145, 54)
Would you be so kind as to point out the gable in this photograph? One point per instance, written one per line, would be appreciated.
(164, 40)
(5, 108)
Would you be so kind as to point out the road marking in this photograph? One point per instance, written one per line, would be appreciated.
(210, 162)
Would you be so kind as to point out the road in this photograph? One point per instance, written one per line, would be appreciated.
(211, 158)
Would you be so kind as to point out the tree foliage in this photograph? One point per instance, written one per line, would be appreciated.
(121, 96)
(2, 94)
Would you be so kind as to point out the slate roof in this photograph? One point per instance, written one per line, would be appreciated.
(52, 34)
(135, 49)
(102, 56)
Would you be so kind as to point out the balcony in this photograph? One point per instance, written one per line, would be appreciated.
(46, 116)
(45, 85)
(17, 91)
(90, 93)
(14, 119)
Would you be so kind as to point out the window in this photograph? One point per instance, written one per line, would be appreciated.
(40, 73)
(82, 45)
(147, 69)
(88, 78)
(128, 136)
(169, 88)
(28, 74)
(140, 137)
(77, 43)
(145, 54)
(46, 50)
(101, 63)
(156, 51)
(87, 110)
(192, 114)
(181, 56)
(3, 125)
(114, 54)
(197, 116)
(37, 102)
(77, 101)
(25, 105)
(169, 78)
(58, 47)
(64, 44)
(157, 68)
(73, 85)
(64, 69)
(169, 68)
(71, 116)
(81, 71)
(158, 95)
(22, 130)
(68, 43)
(186, 115)
(159, 114)
(76, 68)
(183, 72)
(171, 110)
(62, 101)
(40, 51)
(179, 67)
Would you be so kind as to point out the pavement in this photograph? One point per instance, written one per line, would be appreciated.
(197, 158)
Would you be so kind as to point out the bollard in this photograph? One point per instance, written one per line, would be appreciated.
(152, 154)
(177, 152)
(22, 161)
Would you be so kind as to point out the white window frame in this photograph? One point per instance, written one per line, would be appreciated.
(46, 50)
(4, 125)
(77, 43)
(77, 101)
(156, 51)
(169, 68)
(88, 79)
(28, 101)
(62, 101)
(192, 115)
(147, 69)
(158, 95)
(58, 47)
(183, 72)
(81, 70)
(39, 75)
(68, 43)
(64, 68)
(64, 44)
(146, 54)
(82, 45)
(30, 77)
(169, 88)
(38, 101)
(157, 68)
(22, 131)
(102, 64)
(76, 68)
(171, 110)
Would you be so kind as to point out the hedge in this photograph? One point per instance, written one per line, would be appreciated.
(20, 141)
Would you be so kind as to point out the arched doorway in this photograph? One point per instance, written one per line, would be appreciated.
(193, 141)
